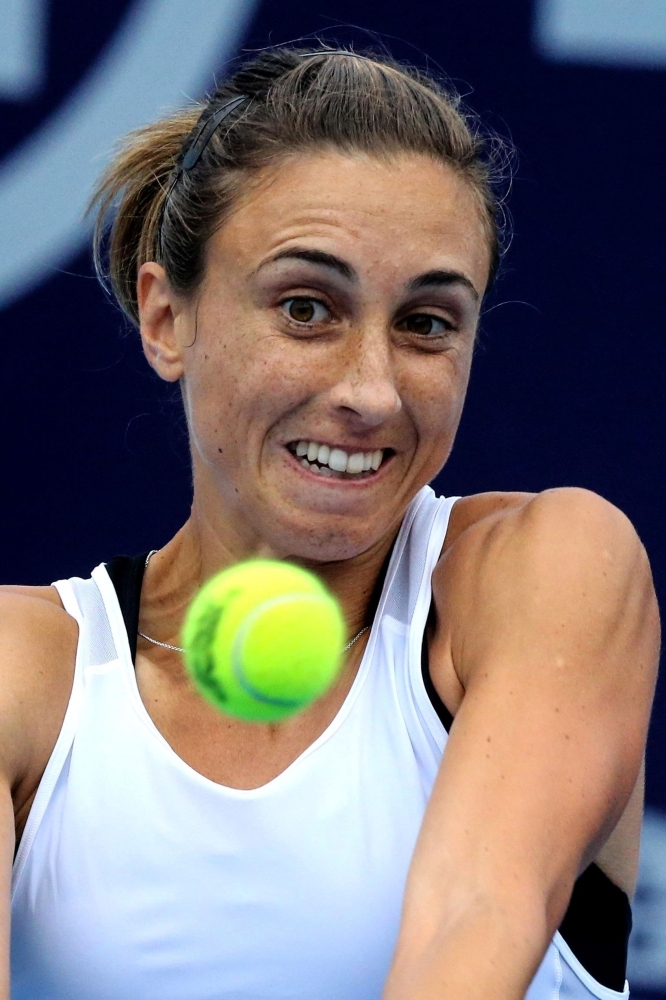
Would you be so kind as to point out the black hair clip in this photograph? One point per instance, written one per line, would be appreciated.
(205, 133)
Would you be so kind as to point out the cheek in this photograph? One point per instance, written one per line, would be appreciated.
(239, 387)
(437, 395)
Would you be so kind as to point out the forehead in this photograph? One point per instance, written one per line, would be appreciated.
(403, 213)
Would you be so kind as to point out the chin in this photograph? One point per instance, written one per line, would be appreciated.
(322, 539)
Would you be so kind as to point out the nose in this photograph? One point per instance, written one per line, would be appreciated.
(367, 386)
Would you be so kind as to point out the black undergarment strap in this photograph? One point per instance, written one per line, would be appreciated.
(126, 574)
(597, 926)
(443, 713)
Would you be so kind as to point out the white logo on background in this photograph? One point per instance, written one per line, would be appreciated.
(22, 31)
(603, 32)
(164, 52)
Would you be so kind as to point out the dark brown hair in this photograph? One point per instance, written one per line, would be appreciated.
(297, 100)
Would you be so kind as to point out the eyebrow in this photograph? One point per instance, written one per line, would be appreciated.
(319, 257)
(431, 279)
(439, 279)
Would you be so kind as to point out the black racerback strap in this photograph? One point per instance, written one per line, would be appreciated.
(126, 574)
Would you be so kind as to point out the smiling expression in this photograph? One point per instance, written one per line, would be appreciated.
(326, 355)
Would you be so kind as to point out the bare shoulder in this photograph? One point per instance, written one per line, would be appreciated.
(547, 643)
(33, 616)
(482, 508)
(541, 529)
(520, 563)
(37, 652)
(48, 594)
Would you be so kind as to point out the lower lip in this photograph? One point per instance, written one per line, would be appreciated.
(333, 480)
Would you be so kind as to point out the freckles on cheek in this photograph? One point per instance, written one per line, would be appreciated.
(285, 375)
(213, 400)
(439, 410)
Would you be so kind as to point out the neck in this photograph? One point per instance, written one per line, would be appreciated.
(198, 551)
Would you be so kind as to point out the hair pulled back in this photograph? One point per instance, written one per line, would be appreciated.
(297, 100)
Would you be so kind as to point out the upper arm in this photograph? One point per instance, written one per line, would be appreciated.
(552, 627)
(37, 651)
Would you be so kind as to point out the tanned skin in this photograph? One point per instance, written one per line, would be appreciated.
(340, 304)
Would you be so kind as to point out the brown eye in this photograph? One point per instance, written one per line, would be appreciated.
(304, 310)
(423, 325)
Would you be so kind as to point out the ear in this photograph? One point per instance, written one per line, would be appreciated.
(161, 319)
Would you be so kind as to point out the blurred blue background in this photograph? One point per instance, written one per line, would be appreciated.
(568, 387)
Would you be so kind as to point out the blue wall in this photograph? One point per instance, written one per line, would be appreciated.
(568, 383)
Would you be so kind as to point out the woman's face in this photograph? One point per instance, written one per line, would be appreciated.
(333, 330)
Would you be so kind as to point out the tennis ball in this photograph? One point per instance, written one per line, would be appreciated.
(263, 639)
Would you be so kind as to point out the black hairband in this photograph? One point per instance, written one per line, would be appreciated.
(203, 137)
(193, 155)
(208, 128)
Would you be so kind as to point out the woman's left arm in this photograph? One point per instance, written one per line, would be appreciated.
(547, 615)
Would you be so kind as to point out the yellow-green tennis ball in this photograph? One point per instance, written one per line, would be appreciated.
(263, 639)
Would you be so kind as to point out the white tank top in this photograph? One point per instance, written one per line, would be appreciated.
(139, 879)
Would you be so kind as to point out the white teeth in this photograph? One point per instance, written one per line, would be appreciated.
(332, 460)
(355, 463)
(337, 460)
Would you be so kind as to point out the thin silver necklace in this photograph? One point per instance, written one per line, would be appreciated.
(179, 649)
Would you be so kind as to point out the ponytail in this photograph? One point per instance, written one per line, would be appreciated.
(134, 188)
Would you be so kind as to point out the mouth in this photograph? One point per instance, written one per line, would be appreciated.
(339, 463)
